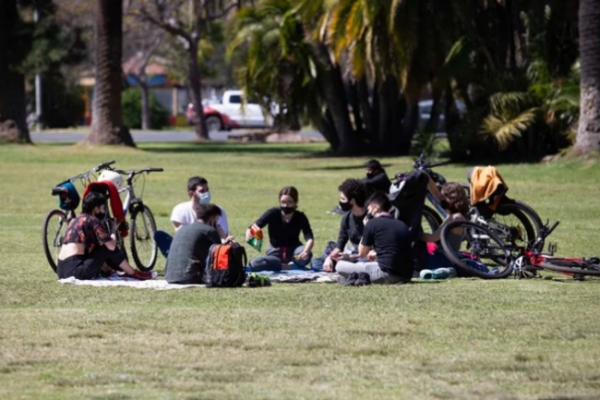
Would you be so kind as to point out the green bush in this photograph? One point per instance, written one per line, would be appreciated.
(131, 103)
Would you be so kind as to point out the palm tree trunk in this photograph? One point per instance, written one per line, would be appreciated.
(195, 83)
(588, 134)
(13, 113)
(107, 123)
(145, 94)
(332, 87)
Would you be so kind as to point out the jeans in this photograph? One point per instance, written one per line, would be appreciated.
(88, 266)
(163, 242)
(277, 256)
(377, 276)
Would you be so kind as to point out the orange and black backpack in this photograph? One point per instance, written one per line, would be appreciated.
(225, 265)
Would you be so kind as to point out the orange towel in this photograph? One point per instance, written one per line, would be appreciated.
(485, 182)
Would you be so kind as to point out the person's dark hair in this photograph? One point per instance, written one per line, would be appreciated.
(374, 165)
(206, 211)
(456, 197)
(354, 189)
(91, 201)
(194, 182)
(289, 191)
(381, 199)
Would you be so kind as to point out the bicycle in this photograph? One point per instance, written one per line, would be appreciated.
(56, 221)
(143, 225)
(533, 259)
(512, 219)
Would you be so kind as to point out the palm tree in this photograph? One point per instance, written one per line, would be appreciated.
(588, 135)
(13, 124)
(107, 127)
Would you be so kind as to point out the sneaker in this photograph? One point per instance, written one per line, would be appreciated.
(351, 279)
(363, 279)
(336, 211)
(256, 280)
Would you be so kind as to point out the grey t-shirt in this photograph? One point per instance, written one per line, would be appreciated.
(188, 252)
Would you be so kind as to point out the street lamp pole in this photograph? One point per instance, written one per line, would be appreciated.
(38, 83)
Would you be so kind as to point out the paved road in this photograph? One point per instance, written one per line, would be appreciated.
(162, 136)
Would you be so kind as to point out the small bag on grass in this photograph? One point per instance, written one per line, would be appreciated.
(225, 265)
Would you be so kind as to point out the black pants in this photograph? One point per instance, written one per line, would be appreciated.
(88, 266)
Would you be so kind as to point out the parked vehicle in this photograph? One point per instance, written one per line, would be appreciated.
(425, 107)
(248, 115)
(215, 120)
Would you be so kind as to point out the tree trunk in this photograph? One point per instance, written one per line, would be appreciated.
(145, 94)
(13, 112)
(588, 134)
(332, 87)
(107, 122)
(411, 121)
(355, 104)
(436, 109)
(195, 83)
(365, 107)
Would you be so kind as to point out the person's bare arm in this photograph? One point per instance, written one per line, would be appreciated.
(434, 190)
(363, 251)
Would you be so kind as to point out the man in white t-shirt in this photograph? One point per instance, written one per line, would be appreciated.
(183, 214)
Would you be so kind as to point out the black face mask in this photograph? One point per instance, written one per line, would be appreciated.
(100, 215)
(287, 210)
(345, 206)
(369, 216)
(370, 175)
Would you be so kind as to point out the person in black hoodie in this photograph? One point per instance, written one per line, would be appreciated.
(376, 179)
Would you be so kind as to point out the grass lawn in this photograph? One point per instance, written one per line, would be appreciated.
(467, 339)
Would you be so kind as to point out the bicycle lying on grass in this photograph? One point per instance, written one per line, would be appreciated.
(143, 226)
(482, 246)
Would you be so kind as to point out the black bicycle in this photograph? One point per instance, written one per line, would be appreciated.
(56, 221)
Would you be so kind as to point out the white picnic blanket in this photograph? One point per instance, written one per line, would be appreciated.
(157, 284)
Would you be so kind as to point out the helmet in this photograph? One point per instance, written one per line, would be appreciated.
(111, 176)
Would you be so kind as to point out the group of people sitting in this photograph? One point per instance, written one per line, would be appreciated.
(372, 244)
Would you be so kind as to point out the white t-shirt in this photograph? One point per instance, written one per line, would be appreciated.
(184, 214)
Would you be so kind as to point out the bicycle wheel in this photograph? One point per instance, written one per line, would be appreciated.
(482, 253)
(575, 267)
(143, 247)
(515, 227)
(53, 231)
(431, 220)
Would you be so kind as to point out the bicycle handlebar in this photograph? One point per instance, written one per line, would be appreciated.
(86, 175)
(104, 165)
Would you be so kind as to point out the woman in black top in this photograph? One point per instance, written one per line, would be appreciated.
(376, 178)
(353, 195)
(285, 224)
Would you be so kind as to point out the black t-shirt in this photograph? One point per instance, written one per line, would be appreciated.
(351, 229)
(188, 252)
(285, 234)
(390, 238)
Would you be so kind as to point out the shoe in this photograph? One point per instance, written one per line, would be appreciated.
(363, 279)
(336, 211)
(256, 280)
(144, 275)
(426, 274)
(351, 279)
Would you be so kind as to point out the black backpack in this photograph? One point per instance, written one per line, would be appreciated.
(225, 265)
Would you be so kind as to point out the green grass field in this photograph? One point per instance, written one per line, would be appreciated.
(464, 338)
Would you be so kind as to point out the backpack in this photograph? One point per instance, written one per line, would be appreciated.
(225, 265)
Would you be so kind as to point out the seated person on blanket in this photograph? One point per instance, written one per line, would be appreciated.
(285, 224)
(88, 248)
(353, 195)
(455, 202)
(191, 245)
(183, 213)
(386, 243)
(376, 178)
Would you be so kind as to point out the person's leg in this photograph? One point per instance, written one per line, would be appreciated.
(304, 264)
(68, 267)
(346, 268)
(163, 242)
(271, 262)
(375, 273)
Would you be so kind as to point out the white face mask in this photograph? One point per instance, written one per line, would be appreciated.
(204, 197)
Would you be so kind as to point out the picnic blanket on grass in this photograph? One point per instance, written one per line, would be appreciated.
(160, 284)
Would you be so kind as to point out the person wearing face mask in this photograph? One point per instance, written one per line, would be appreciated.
(88, 248)
(285, 224)
(191, 245)
(386, 244)
(184, 214)
(353, 195)
(376, 178)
